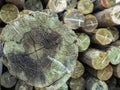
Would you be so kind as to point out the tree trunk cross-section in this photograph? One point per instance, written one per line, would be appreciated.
(40, 50)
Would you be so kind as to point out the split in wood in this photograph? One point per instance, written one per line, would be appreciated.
(73, 19)
(78, 70)
(8, 13)
(77, 84)
(96, 59)
(103, 74)
(90, 23)
(109, 17)
(7, 80)
(102, 36)
(57, 5)
(85, 6)
(83, 41)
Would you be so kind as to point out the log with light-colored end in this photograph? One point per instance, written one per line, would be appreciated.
(85, 6)
(77, 84)
(8, 13)
(102, 36)
(35, 5)
(116, 70)
(57, 5)
(8, 80)
(109, 17)
(63, 87)
(96, 59)
(114, 32)
(73, 19)
(103, 74)
(21, 85)
(102, 4)
(83, 42)
(78, 70)
(93, 83)
(71, 4)
(114, 55)
(18, 3)
(90, 23)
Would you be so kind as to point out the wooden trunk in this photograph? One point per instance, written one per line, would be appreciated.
(96, 59)
(116, 71)
(109, 17)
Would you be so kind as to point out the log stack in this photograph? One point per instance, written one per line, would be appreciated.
(96, 27)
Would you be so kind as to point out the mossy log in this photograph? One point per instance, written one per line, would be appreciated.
(102, 36)
(21, 85)
(114, 53)
(102, 4)
(57, 5)
(116, 70)
(71, 4)
(8, 80)
(103, 74)
(83, 42)
(18, 3)
(96, 59)
(78, 70)
(93, 83)
(85, 6)
(90, 23)
(25, 12)
(35, 5)
(8, 13)
(64, 87)
(77, 84)
(109, 17)
(40, 50)
(73, 19)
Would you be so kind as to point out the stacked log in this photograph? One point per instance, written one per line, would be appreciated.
(95, 26)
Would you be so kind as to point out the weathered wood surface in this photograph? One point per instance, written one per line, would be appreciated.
(21, 85)
(35, 5)
(109, 17)
(77, 84)
(7, 80)
(85, 6)
(102, 36)
(83, 42)
(116, 70)
(96, 59)
(90, 23)
(73, 19)
(71, 4)
(57, 5)
(38, 34)
(103, 74)
(93, 83)
(78, 70)
(8, 13)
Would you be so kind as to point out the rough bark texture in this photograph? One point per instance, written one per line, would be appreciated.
(109, 17)
(73, 19)
(96, 59)
(18, 3)
(39, 51)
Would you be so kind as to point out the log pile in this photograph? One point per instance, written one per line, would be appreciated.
(95, 25)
